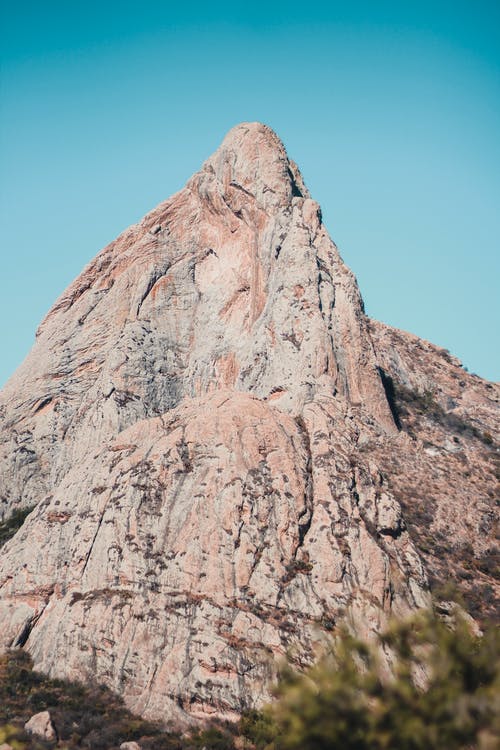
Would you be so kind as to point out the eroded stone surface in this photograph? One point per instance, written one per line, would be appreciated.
(201, 544)
(205, 431)
(241, 287)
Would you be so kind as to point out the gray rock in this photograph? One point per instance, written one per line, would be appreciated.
(41, 725)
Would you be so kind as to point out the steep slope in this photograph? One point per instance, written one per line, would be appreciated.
(204, 429)
(444, 468)
(233, 282)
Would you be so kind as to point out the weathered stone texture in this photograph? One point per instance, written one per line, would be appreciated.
(203, 428)
(41, 725)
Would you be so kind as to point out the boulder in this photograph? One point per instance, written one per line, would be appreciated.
(41, 724)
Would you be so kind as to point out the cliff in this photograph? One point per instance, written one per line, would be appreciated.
(224, 457)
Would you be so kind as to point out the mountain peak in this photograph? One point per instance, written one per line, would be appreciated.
(252, 130)
(211, 437)
(253, 158)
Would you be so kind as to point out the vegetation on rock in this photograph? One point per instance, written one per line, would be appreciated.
(84, 716)
(405, 402)
(455, 465)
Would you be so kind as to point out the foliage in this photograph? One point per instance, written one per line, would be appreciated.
(91, 717)
(9, 736)
(212, 738)
(259, 727)
(440, 695)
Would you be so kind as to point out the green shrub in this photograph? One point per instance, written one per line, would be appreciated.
(259, 727)
(85, 716)
(212, 739)
(442, 694)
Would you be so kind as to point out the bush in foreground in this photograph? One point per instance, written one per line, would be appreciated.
(443, 694)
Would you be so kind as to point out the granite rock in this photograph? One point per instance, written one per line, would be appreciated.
(206, 434)
(41, 725)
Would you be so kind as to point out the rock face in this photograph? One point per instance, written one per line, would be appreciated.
(217, 445)
(41, 725)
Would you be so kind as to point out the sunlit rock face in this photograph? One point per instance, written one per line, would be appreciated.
(207, 431)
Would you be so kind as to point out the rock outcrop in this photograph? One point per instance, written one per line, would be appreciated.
(41, 725)
(215, 442)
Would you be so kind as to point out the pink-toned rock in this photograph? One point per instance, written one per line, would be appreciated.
(201, 543)
(217, 444)
(41, 725)
(443, 466)
(207, 301)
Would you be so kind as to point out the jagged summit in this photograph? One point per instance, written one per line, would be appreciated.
(207, 433)
(252, 158)
(246, 245)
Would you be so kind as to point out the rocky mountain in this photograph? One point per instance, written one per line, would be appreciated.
(220, 457)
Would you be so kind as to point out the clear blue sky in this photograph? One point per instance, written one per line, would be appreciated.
(391, 109)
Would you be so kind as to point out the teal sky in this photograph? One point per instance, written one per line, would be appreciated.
(391, 110)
